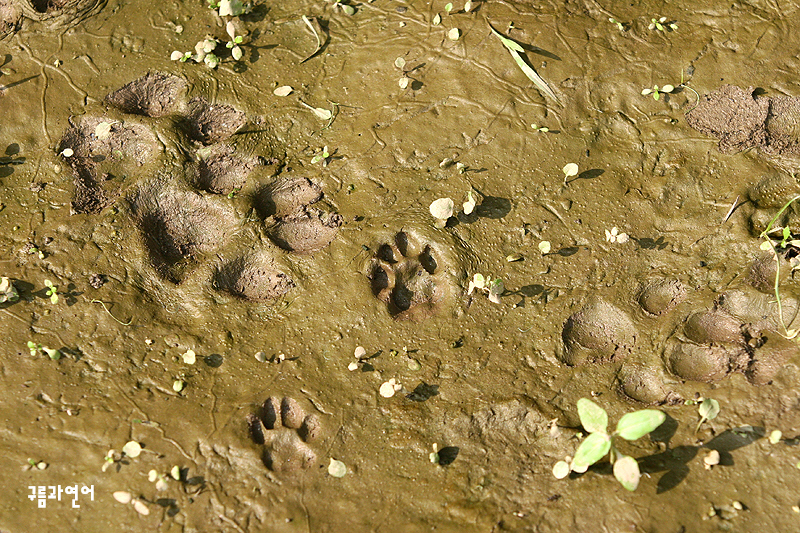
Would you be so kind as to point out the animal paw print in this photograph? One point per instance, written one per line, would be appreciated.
(407, 278)
(284, 430)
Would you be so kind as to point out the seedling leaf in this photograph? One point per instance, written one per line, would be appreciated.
(709, 409)
(593, 417)
(626, 470)
(515, 48)
(636, 425)
(561, 469)
(337, 468)
(132, 449)
(442, 208)
(591, 450)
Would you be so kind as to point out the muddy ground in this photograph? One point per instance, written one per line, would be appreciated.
(177, 207)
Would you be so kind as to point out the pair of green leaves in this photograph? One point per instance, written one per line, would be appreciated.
(515, 50)
(631, 426)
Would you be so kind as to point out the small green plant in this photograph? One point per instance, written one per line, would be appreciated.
(204, 53)
(36, 349)
(768, 244)
(233, 44)
(231, 8)
(657, 91)
(619, 24)
(598, 443)
(569, 170)
(709, 409)
(515, 49)
(492, 287)
(324, 156)
(8, 293)
(346, 8)
(441, 210)
(52, 291)
(543, 129)
(662, 25)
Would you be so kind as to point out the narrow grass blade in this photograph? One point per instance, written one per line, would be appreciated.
(515, 48)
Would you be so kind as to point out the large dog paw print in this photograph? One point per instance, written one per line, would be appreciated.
(406, 276)
(284, 430)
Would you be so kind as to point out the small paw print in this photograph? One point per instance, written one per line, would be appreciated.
(284, 430)
(406, 277)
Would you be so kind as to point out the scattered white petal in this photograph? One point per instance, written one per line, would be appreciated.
(140, 507)
(189, 357)
(337, 468)
(261, 357)
(161, 484)
(454, 34)
(175, 473)
(152, 476)
(442, 208)
(284, 90)
(544, 247)
(122, 496)
(67, 152)
(352, 366)
(403, 82)
(360, 352)
(388, 389)
(132, 449)
(711, 459)
(570, 169)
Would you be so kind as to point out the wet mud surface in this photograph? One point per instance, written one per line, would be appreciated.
(216, 274)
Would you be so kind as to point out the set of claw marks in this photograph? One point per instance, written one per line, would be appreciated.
(405, 276)
(179, 164)
(284, 431)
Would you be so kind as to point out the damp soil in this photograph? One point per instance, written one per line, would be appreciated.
(176, 207)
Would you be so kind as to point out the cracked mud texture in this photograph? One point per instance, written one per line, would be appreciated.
(165, 242)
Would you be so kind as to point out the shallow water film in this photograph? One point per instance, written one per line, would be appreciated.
(349, 266)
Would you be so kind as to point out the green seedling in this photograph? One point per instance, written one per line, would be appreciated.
(657, 91)
(515, 49)
(470, 203)
(448, 7)
(233, 44)
(619, 24)
(110, 458)
(492, 287)
(346, 9)
(598, 443)
(662, 25)
(52, 291)
(37, 349)
(769, 245)
(34, 250)
(8, 293)
(316, 35)
(709, 409)
(543, 129)
(569, 170)
(231, 8)
(324, 157)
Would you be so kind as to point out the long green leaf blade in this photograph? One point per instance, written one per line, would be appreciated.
(515, 48)
(593, 417)
(591, 450)
(626, 470)
(639, 423)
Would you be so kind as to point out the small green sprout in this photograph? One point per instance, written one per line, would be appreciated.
(324, 157)
(569, 170)
(110, 458)
(469, 203)
(448, 7)
(231, 8)
(346, 9)
(619, 24)
(493, 287)
(543, 129)
(709, 409)
(657, 92)
(8, 293)
(35, 349)
(442, 209)
(662, 25)
(598, 443)
(233, 44)
(434, 455)
(34, 250)
(51, 291)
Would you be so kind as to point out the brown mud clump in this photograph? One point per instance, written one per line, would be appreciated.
(598, 333)
(177, 226)
(713, 327)
(211, 123)
(60, 13)
(741, 120)
(771, 354)
(287, 195)
(291, 223)
(254, 278)
(284, 430)
(103, 153)
(10, 17)
(645, 384)
(153, 95)
(305, 231)
(774, 191)
(706, 363)
(763, 271)
(407, 278)
(658, 297)
(221, 171)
